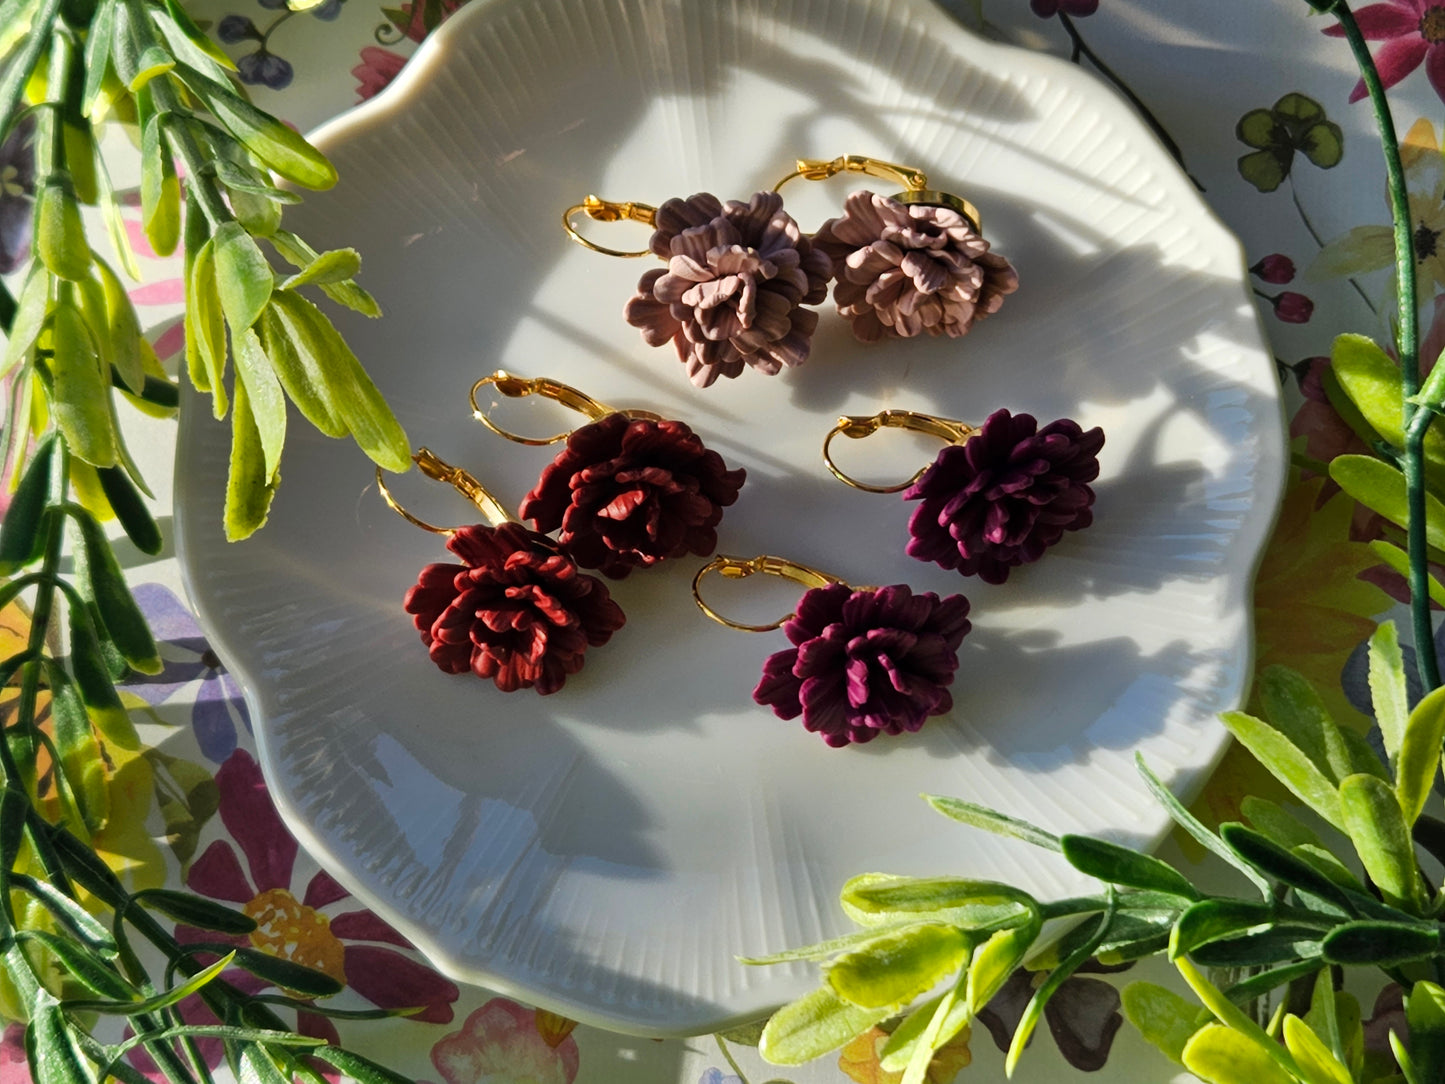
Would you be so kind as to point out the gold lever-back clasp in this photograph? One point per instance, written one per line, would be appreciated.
(603, 210)
(518, 387)
(739, 568)
(914, 181)
(859, 426)
(433, 466)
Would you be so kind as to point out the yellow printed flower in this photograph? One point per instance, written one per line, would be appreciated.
(1371, 248)
(860, 1059)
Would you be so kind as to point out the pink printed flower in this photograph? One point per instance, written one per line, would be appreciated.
(347, 946)
(1413, 31)
(13, 1069)
(377, 69)
(502, 1041)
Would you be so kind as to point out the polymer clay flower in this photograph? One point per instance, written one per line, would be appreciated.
(730, 296)
(866, 661)
(629, 492)
(515, 611)
(904, 269)
(1002, 497)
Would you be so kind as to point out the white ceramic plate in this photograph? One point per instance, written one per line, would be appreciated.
(606, 851)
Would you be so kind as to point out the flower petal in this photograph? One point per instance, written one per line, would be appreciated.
(390, 980)
(250, 816)
(365, 926)
(217, 873)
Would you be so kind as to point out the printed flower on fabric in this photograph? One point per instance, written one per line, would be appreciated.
(13, 1067)
(714, 1075)
(188, 659)
(1372, 248)
(299, 922)
(1083, 1015)
(412, 21)
(1294, 124)
(1412, 30)
(17, 187)
(860, 1059)
(262, 67)
(504, 1043)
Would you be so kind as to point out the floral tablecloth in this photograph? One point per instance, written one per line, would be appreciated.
(1261, 105)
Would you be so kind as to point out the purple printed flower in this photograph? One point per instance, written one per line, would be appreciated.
(1413, 31)
(1275, 269)
(188, 658)
(17, 188)
(1083, 1015)
(1292, 308)
(263, 68)
(1047, 9)
(1005, 495)
(866, 662)
(731, 292)
(906, 269)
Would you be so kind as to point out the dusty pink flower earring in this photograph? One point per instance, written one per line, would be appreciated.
(517, 611)
(997, 496)
(865, 661)
(736, 279)
(909, 263)
(630, 488)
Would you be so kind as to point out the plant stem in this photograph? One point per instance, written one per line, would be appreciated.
(1407, 344)
(1081, 48)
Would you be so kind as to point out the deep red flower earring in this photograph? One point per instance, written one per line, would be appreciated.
(630, 488)
(517, 611)
(736, 279)
(997, 496)
(865, 661)
(909, 263)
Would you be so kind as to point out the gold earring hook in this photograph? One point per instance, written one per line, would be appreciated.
(519, 387)
(914, 181)
(433, 466)
(602, 210)
(859, 426)
(738, 568)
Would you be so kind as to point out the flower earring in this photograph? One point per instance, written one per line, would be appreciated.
(630, 489)
(736, 279)
(516, 611)
(909, 263)
(865, 660)
(997, 496)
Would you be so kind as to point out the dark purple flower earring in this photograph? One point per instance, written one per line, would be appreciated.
(865, 661)
(912, 263)
(736, 279)
(997, 496)
(629, 489)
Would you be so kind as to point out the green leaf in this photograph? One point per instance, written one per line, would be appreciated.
(338, 265)
(1265, 169)
(1254, 1039)
(21, 536)
(1284, 866)
(263, 396)
(56, 1059)
(1295, 709)
(125, 501)
(996, 959)
(121, 618)
(870, 896)
(1221, 1055)
(1419, 754)
(181, 20)
(1329, 864)
(299, 254)
(350, 393)
(1242, 993)
(134, 1007)
(29, 317)
(813, 1025)
(287, 340)
(1377, 828)
(75, 742)
(123, 329)
(280, 148)
(243, 276)
(1210, 919)
(899, 966)
(81, 392)
(1191, 824)
(192, 910)
(1425, 1013)
(1324, 144)
(1300, 109)
(160, 189)
(68, 913)
(1121, 866)
(1399, 560)
(1287, 762)
(1382, 944)
(999, 824)
(901, 1046)
(13, 804)
(92, 679)
(97, 53)
(249, 488)
(257, 1067)
(823, 949)
(1256, 128)
(1381, 487)
(359, 1069)
(1262, 948)
(1273, 820)
(204, 316)
(59, 233)
(303, 981)
(1372, 381)
(1166, 1020)
(152, 62)
(83, 963)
